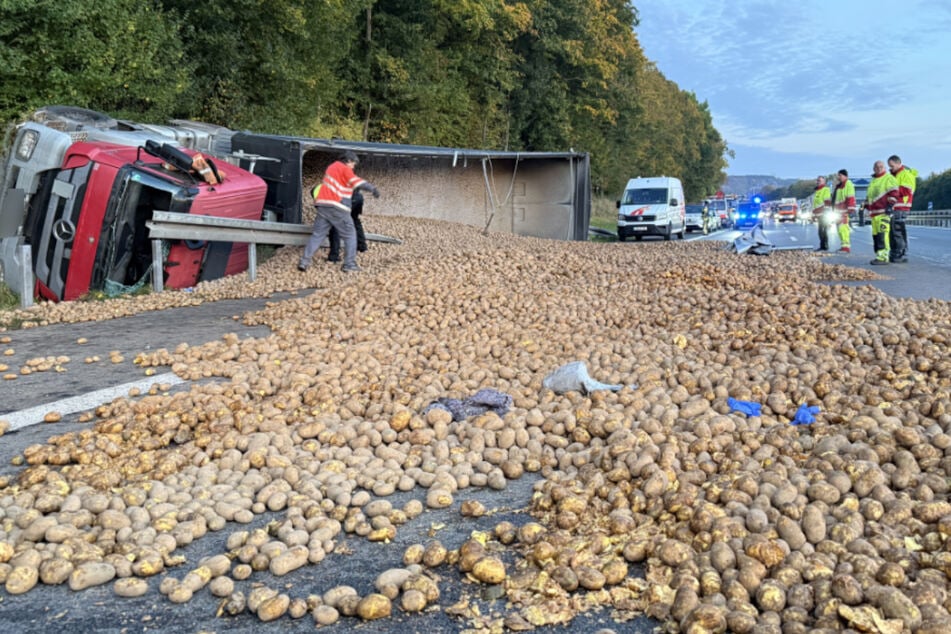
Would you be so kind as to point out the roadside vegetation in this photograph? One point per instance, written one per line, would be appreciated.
(537, 75)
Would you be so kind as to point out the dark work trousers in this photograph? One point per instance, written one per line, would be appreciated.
(328, 218)
(356, 208)
(824, 227)
(899, 246)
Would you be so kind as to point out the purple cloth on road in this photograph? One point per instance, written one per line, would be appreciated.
(479, 403)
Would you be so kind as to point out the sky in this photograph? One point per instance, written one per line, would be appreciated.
(799, 88)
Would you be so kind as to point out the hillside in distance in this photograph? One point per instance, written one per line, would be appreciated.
(754, 184)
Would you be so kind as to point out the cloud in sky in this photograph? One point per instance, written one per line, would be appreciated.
(795, 86)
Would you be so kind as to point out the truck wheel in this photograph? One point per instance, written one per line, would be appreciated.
(669, 232)
(72, 115)
(621, 237)
(638, 238)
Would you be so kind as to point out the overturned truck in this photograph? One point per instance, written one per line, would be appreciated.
(79, 188)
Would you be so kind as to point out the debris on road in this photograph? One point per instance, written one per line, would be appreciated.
(574, 377)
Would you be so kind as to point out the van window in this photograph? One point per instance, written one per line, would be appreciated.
(652, 196)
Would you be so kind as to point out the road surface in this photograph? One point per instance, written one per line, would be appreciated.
(56, 608)
(927, 275)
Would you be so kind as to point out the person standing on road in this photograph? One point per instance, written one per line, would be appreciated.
(334, 199)
(355, 210)
(907, 179)
(821, 200)
(707, 218)
(882, 194)
(844, 202)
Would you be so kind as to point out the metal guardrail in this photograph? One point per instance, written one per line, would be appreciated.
(936, 218)
(167, 225)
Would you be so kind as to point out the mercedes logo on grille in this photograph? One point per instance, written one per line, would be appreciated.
(64, 230)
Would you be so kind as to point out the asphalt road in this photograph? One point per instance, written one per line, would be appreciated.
(925, 276)
(51, 608)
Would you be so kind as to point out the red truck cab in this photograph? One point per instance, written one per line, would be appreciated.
(86, 222)
(78, 188)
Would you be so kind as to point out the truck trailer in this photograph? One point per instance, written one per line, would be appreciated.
(79, 187)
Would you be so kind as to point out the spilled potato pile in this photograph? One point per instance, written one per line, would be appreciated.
(743, 524)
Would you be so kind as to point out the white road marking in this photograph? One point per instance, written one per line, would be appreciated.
(90, 400)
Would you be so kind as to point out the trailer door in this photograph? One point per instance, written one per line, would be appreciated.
(277, 160)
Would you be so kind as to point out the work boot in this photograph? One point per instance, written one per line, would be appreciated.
(333, 257)
(301, 268)
(901, 260)
(877, 262)
(845, 250)
(351, 269)
(361, 247)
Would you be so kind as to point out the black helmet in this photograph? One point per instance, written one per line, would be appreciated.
(350, 157)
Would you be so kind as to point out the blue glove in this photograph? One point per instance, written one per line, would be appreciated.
(746, 407)
(805, 415)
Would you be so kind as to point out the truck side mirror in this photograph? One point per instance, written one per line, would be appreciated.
(673, 202)
(617, 203)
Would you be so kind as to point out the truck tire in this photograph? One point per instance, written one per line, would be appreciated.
(638, 238)
(621, 237)
(75, 117)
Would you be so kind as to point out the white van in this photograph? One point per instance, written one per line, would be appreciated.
(652, 206)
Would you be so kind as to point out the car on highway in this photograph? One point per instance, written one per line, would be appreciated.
(747, 215)
(694, 217)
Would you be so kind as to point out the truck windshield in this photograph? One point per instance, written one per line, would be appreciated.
(651, 196)
(124, 255)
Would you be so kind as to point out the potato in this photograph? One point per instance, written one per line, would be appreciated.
(374, 606)
(489, 570)
(289, 561)
(273, 608)
(91, 574)
(130, 587)
(21, 579)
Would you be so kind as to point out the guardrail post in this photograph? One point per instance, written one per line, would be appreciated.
(252, 260)
(157, 273)
(26, 276)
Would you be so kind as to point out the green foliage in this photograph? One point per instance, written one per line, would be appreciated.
(8, 299)
(120, 56)
(936, 189)
(543, 75)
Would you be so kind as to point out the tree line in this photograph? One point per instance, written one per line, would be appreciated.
(935, 189)
(529, 75)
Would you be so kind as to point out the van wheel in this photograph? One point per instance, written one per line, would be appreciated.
(669, 232)
(680, 236)
(621, 237)
(638, 238)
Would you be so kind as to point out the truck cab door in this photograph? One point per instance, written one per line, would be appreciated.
(277, 160)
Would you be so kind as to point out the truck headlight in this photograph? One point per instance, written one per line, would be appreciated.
(27, 144)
